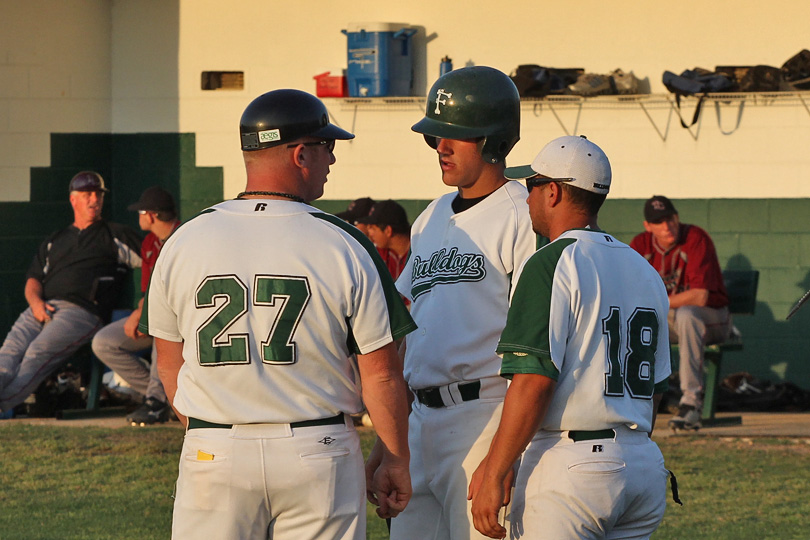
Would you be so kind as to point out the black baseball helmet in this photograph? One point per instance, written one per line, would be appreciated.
(474, 102)
(282, 116)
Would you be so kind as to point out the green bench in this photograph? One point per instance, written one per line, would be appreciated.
(741, 286)
(96, 370)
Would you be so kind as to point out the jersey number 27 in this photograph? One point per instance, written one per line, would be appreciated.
(281, 297)
(636, 368)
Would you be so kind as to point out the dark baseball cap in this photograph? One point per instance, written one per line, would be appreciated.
(386, 213)
(154, 199)
(658, 208)
(87, 181)
(358, 208)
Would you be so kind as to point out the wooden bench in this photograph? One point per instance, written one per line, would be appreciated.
(741, 286)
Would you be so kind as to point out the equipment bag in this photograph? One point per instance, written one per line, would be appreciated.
(796, 72)
(752, 78)
(695, 81)
(536, 81)
(594, 84)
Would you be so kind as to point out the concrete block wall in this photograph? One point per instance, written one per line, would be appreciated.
(768, 235)
(129, 164)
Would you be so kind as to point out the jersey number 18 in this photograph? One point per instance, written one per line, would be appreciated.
(635, 370)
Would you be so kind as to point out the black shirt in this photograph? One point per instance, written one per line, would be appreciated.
(87, 267)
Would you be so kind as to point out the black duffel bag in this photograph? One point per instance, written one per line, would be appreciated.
(796, 72)
(532, 80)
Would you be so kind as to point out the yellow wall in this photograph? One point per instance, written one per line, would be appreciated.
(129, 66)
(283, 44)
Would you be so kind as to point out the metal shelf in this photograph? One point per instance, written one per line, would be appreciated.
(664, 101)
(643, 102)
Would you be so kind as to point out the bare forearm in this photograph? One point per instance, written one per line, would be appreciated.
(386, 398)
(169, 362)
(524, 408)
(33, 292)
(692, 297)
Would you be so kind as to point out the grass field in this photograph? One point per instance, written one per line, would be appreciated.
(98, 483)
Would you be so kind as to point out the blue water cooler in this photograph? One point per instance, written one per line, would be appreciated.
(380, 59)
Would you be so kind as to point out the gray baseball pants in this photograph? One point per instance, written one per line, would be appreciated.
(33, 350)
(692, 328)
(120, 353)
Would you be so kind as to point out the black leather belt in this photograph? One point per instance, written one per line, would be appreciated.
(194, 423)
(577, 436)
(432, 397)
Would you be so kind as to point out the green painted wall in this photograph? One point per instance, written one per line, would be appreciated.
(769, 235)
(129, 163)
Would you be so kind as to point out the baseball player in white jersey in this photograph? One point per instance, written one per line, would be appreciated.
(586, 347)
(257, 306)
(464, 248)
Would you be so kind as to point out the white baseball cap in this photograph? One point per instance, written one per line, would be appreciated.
(571, 159)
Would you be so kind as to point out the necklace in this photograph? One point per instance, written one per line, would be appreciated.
(290, 196)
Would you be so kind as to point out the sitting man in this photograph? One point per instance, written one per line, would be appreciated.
(388, 227)
(685, 257)
(71, 287)
(119, 343)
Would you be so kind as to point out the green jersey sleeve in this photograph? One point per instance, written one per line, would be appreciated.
(528, 319)
(526, 363)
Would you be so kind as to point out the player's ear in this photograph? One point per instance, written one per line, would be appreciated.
(299, 156)
(555, 193)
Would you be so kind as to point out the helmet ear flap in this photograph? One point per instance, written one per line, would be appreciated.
(497, 146)
(432, 141)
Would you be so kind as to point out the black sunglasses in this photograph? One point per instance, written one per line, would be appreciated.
(329, 143)
(535, 181)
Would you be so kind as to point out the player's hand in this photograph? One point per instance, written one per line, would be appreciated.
(392, 489)
(372, 464)
(131, 325)
(508, 482)
(43, 311)
(391, 486)
(488, 497)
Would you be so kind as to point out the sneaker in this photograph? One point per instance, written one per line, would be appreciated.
(152, 411)
(687, 418)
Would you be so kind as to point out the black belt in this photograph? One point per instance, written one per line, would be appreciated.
(194, 423)
(577, 436)
(432, 397)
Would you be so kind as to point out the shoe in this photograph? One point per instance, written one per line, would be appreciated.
(687, 418)
(152, 411)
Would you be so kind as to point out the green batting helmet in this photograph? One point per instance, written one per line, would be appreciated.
(473, 102)
(286, 115)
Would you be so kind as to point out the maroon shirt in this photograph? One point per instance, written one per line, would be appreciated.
(393, 262)
(691, 263)
(150, 248)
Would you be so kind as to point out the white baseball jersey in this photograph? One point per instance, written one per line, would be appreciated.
(271, 299)
(598, 311)
(458, 278)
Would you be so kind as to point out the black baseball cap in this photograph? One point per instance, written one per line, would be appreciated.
(385, 213)
(658, 208)
(358, 208)
(87, 181)
(154, 199)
